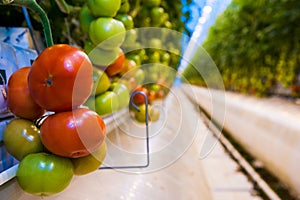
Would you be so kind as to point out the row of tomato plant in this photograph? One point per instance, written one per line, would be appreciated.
(255, 46)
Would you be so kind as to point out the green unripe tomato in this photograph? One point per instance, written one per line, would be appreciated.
(106, 103)
(155, 57)
(130, 38)
(155, 43)
(126, 20)
(107, 32)
(151, 3)
(88, 46)
(44, 174)
(139, 76)
(122, 93)
(135, 57)
(21, 137)
(165, 58)
(102, 57)
(104, 8)
(125, 7)
(101, 81)
(156, 14)
(90, 163)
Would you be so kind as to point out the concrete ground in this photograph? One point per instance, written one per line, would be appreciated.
(186, 162)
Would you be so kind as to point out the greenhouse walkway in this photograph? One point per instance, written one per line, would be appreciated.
(178, 167)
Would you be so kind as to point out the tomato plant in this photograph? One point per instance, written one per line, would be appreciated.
(61, 78)
(44, 174)
(74, 133)
(19, 99)
(85, 18)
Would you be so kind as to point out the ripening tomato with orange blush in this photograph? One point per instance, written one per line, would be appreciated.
(19, 99)
(74, 133)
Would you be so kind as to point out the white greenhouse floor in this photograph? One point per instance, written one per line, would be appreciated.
(186, 162)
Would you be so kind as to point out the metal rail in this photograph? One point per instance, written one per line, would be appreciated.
(241, 161)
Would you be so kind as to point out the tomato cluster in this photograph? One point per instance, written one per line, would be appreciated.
(107, 42)
(53, 135)
(105, 25)
(60, 100)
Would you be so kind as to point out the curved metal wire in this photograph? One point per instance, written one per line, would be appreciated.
(147, 134)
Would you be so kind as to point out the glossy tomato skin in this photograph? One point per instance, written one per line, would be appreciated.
(90, 163)
(127, 20)
(104, 8)
(122, 93)
(117, 65)
(19, 99)
(44, 174)
(74, 133)
(139, 99)
(106, 103)
(21, 137)
(61, 78)
(107, 33)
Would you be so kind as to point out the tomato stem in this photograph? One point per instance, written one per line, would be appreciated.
(35, 7)
(136, 9)
(38, 122)
(65, 7)
(49, 81)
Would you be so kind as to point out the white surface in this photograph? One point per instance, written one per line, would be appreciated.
(175, 172)
(268, 128)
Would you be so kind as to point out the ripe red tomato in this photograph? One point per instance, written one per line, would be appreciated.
(74, 133)
(116, 66)
(139, 99)
(61, 78)
(19, 99)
